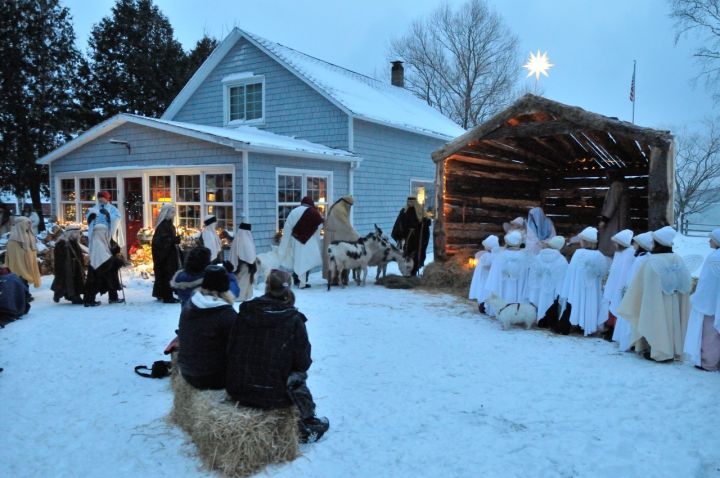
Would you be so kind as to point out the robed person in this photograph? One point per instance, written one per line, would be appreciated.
(210, 239)
(547, 273)
(617, 277)
(21, 253)
(69, 264)
(702, 342)
(615, 212)
(581, 292)
(508, 276)
(300, 244)
(337, 228)
(483, 262)
(243, 257)
(657, 302)
(104, 269)
(166, 257)
(539, 229)
(412, 233)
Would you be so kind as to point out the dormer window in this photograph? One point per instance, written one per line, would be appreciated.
(244, 98)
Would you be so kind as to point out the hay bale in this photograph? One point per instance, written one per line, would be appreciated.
(453, 275)
(238, 441)
(394, 281)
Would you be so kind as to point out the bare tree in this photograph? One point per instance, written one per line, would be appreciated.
(463, 62)
(701, 17)
(697, 171)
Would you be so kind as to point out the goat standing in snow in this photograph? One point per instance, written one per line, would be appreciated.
(387, 254)
(350, 255)
(512, 314)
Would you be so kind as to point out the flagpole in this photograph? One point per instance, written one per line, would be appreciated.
(633, 91)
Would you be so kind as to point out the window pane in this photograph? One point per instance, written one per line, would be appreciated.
(283, 212)
(109, 185)
(237, 103)
(67, 189)
(224, 215)
(87, 189)
(218, 188)
(289, 188)
(188, 188)
(68, 212)
(253, 101)
(189, 216)
(84, 209)
(160, 189)
(317, 189)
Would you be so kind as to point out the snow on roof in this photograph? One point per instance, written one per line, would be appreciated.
(358, 95)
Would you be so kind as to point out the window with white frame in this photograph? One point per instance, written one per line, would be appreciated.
(68, 207)
(110, 185)
(244, 100)
(219, 199)
(87, 190)
(160, 193)
(292, 186)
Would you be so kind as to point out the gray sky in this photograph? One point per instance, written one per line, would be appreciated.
(592, 43)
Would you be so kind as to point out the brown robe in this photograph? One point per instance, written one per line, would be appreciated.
(615, 212)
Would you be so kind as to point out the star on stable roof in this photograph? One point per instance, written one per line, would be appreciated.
(538, 64)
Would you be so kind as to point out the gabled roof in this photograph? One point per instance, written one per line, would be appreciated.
(357, 95)
(243, 138)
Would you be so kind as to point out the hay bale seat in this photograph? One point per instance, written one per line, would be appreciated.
(236, 440)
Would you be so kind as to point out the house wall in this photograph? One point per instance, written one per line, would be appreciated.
(391, 158)
(292, 108)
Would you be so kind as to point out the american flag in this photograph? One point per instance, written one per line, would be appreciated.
(632, 86)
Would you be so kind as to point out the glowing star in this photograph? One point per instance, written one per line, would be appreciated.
(538, 64)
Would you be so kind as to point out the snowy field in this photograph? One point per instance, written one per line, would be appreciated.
(414, 385)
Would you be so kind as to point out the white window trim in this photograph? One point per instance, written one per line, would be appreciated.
(233, 82)
(304, 173)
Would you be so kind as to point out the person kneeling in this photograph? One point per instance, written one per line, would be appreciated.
(269, 356)
(205, 323)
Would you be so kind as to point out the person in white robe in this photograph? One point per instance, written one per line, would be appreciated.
(547, 274)
(210, 238)
(484, 260)
(242, 257)
(539, 229)
(642, 245)
(617, 277)
(702, 342)
(508, 274)
(657, 302)
(299, 248)
(581, 292)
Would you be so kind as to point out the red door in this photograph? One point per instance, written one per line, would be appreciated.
(133, 212)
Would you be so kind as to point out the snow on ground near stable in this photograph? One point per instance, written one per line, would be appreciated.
(414, 384)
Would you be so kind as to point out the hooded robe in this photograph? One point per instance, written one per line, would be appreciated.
(298, 256)
(166, 258)
(547, 273)
(615, 212)
(337, 228)
(69, 281)
(21, 253)
(582, 289)
(243, 257)
(508, 276)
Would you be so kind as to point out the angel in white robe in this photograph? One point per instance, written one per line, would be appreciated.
(617, 277)
(483, 258)
(210, 238)
(508, 274)
(547, 273)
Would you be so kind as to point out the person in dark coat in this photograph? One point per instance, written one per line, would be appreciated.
(615, 212)
(165, 254)
(269, 356)
(205, 323)
(69, 267)
(412, 233)
(14, 297)
(187, 280)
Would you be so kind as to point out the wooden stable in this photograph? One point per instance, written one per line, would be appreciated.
(543, 153)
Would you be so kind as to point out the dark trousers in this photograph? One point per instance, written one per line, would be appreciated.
(300, 394)
(206, 382)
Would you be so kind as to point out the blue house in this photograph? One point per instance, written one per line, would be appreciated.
(256, 128)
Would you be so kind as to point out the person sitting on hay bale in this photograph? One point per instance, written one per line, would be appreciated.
(205, 324)
(269, 356)
(14, 297)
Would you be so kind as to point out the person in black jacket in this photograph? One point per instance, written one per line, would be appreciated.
(165, 254)
(205, 323)
(69, 281)
(269, 356)
(411, 231)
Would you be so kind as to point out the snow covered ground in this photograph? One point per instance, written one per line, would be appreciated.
(414, 385)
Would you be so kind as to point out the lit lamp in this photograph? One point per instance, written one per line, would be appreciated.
(472, 262)
(164, 199)
(421, 196)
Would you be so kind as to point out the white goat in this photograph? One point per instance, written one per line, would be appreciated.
(512, 314)
(350, 255)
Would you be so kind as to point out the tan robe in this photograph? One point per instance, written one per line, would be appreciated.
(657, 306)
(337, 228)
(616, 208)
(23, 262)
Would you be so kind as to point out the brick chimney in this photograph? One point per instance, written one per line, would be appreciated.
(397, 74)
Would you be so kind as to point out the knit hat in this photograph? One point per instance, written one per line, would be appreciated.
(665, 236)
(513, 238)
(715, 235)
(557, 242)
(278, 282)
(589, 234)
(215, 278)
(210, 220)
(491, 242)
(104, 194)
(197, 260)
(624, 238)
(645, 240)
(308, 201)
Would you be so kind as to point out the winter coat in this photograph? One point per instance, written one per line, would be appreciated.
(69, 278)
(205, 323)
(184, 284)
(234, 287)
(13, 298)
(165, 258)
(267, 342)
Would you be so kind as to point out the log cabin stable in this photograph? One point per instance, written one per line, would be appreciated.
(539, 152)
(258, 127)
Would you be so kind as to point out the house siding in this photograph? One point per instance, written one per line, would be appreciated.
(292, 108)
(391, 158)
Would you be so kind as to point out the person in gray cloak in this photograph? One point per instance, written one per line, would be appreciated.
(615, 212)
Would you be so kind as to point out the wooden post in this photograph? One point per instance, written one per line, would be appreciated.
(439, 229)
(661, 184)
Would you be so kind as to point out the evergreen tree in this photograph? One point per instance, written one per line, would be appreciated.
(135, 65)
(37, 107)
(203, 48)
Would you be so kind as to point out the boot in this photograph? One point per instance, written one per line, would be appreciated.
(312, 429)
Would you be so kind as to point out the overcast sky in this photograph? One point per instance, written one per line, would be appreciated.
(592, 43)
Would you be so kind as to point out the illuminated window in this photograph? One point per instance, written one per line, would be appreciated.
(293, 186)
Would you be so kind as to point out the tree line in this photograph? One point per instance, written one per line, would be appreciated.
(50, 90)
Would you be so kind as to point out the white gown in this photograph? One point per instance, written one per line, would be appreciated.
(508, 276)
(616, 282)
(623, 330)
(547, 274)
(582, 288)
(296, 256)
(705, 301)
